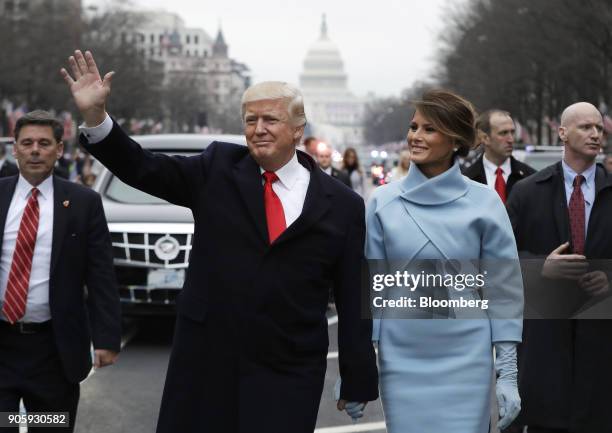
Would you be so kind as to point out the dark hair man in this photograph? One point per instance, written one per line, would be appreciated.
(324, 159)
(54, 241)
(497, 168)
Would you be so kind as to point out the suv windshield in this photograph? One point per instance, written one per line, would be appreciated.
(123, 193)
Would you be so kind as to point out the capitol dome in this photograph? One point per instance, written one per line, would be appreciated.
(334, 114)
(323, 66)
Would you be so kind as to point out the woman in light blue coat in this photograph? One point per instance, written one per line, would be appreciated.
(436, 375)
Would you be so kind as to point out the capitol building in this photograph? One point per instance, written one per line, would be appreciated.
(334, 114)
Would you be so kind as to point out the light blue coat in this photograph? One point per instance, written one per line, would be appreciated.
(435, 375)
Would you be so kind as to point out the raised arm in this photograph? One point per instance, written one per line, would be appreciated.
(174, 179)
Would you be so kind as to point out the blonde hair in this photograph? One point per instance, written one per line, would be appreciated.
(277, 90)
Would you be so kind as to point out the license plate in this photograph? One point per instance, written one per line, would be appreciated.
(166, 278)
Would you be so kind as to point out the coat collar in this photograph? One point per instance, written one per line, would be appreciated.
(444, 188)
(247, 175)
(602, 178)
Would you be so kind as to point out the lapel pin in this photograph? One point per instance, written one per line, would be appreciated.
(66, 203)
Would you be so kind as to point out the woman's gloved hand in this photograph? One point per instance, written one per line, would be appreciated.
(508, 398)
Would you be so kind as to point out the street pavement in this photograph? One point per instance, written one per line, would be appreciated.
(126, 396)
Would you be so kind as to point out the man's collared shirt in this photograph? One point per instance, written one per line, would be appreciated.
(587, 187)
(327, 170)
(490, 169)
(37, 307)
(291, 187)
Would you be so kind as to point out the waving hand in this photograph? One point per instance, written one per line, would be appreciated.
(89, 90)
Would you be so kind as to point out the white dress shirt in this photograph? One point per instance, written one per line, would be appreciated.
(291, 187)
(37, 307)
(587, 187)
(490, 169)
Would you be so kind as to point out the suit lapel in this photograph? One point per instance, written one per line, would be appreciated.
(560, 200)
(516, 174)
(479, 167)
(60, 218)
(6, 195)
(602, 179)
(248, 178)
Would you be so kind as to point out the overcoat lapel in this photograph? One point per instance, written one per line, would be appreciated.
(249, 181)
(561, 212)
(316, 204)
(602, 181)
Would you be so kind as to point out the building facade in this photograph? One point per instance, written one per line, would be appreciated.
(189, 55)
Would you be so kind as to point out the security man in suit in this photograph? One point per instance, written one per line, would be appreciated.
(497, 168)
(272, 233)
(324, 159)
(54, 241)
(561, 221)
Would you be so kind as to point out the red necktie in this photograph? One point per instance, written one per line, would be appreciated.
(576, 216)
(16, 294)
(275, 215)
(500, 183)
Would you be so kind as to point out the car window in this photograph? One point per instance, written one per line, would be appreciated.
(119, 191)
(541, 160)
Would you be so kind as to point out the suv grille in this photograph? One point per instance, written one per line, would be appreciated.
(138, 249)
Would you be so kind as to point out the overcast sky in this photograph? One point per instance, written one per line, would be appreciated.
(386, 44)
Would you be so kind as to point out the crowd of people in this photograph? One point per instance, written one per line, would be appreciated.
(295, 224)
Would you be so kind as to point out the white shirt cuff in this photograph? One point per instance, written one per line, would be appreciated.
(98, 133)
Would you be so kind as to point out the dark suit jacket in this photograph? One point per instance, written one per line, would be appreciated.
(564, 365)
(253, 302)
(81, 255)
(8, 169)
(341, 176)
(518, 171)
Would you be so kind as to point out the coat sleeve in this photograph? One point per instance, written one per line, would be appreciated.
(171, 178)
(356, 358)
(503, 282)
(374, 251)
(103, 302)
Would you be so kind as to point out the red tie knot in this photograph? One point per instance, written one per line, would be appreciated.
(35, 192)
(499, 171)
(270, 177)
(578, 180)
